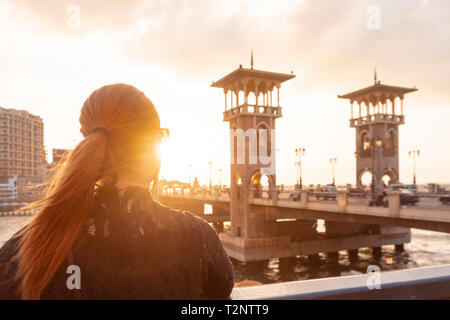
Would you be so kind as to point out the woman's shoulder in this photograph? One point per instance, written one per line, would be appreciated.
(137, 209)
(8, 267)
(9, 248)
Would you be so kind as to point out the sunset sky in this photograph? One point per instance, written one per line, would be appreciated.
(173, 49)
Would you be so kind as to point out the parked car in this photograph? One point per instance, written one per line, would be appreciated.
(401, 186)
(325, 192)
(357, 192)
(445, 199)
(436, 188)
(406, 197)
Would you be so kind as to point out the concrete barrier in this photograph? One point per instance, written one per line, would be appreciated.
(418, 283)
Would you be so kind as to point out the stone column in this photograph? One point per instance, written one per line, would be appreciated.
(351, 109)
(342, 200)
(401, 106)
(304, 197)
(394, 203)
(273, 192)
(278, 95)
(225, 93)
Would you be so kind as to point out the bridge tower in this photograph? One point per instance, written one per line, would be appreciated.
(377, 120)
(252, 104)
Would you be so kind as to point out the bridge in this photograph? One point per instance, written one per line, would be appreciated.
(342, 210)
(363, 225)
(275, 227)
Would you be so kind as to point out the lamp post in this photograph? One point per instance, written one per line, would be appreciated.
(333, 163)
(190, 175)
(210, 175)
(298, 153)
(220, 178)
(413, 154)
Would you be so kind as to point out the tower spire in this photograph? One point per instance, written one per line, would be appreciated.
(375, 75)
(251, 60)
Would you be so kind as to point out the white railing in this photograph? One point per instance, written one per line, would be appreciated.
(417, 283)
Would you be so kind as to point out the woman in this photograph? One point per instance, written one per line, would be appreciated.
(99, 234)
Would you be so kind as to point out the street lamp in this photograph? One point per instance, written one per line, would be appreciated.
(414, 153)
(333, 163)
(190, 175)
(298, 153)
(210, 175)
(220, 178)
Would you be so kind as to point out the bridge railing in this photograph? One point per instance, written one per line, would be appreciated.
(419, 283)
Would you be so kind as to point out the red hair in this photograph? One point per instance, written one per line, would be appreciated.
(128, 122)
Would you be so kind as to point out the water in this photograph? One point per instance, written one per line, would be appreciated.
(427, 248)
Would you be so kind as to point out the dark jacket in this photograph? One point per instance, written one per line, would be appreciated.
(133, 247)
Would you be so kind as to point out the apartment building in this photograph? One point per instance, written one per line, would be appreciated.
(22, 151)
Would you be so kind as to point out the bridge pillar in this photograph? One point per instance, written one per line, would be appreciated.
(252, 164)
(377, 131)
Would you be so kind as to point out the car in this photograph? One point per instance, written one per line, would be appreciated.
(357, 192)
(408, 197)
(325, 192)
(445, 199)
(400, 186)
(295, 196)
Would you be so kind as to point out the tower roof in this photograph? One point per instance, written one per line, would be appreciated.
(233, 79)
(378, 89)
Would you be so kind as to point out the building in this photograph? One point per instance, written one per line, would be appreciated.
(377, 120)
(252, 104)
(58, 154)
(9, 190)
(22, 152)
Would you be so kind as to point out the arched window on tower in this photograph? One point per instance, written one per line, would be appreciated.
(251, 98)
(263, 141)
(390, 143)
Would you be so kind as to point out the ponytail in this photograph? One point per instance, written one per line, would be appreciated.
(130, 119)
(48, 238)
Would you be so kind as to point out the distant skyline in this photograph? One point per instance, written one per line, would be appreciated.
(53, 58)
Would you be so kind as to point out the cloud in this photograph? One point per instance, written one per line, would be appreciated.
(326, 42)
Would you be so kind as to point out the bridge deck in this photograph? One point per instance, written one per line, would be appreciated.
(435, 219)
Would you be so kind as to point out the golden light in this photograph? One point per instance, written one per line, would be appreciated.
(366, 178)
(378, 142)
